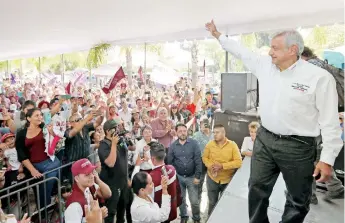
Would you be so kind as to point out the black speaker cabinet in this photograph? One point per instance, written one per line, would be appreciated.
(239, 92)
(236, 124)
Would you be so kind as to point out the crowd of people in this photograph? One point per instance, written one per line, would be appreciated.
(137, 151)
(111, 139)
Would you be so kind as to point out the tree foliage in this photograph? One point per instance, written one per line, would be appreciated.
(97, 55)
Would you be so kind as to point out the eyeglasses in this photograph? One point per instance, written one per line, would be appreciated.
(77, 120)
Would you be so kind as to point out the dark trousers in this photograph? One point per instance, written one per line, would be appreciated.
(214, 192)
(130, 197)
(116, 204)
(202, 179)
(294, 157)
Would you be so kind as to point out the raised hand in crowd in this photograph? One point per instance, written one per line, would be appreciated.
(25, 219)
(164, 183)
(50, 129)
(115, 139)
(3, 146)
(168, 127)
(93, 214)
(104, 212)
(139, 161)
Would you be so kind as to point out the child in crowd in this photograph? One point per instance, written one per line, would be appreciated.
(248, 142)
(14, 173)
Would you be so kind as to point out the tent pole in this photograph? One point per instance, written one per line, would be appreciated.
(145, 63)
(8, 68)
(39, 71)
(62, 69)
(90, 76)
(226, 60)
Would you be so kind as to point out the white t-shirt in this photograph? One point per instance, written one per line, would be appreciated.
(11, 155)
(74, 212)
(247, 145)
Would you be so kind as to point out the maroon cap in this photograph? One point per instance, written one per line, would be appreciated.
(82, 166)
(7, 135)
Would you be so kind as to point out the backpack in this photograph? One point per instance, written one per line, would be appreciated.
(338, 75)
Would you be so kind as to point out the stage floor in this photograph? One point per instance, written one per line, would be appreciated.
(233, 205)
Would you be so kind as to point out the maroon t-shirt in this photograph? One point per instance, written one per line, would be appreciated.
(173, 189)
(37, 148)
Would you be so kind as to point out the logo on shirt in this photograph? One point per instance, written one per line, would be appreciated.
(300, 87)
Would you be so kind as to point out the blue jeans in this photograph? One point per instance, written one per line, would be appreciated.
(43, 167)
(186, 183)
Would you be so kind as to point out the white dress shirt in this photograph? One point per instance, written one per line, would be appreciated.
(247, 145)
(144, 211)
(126, 117)
(301, 100)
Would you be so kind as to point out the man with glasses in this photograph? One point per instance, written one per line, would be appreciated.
(77, 143)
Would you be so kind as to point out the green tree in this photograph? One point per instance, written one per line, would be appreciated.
(3, 65)
(127, 52)
(97, 55)
(37, 62)
(213, 50)
(193, 48)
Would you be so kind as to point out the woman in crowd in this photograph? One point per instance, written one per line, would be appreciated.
(146, 119)
(144, 209)
(19, 118)
(136, 118)
(30, 145)
(143, 150)
(175, 115)
(95, 140)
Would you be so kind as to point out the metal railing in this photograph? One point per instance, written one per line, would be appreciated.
(39, 209)
(29, 183)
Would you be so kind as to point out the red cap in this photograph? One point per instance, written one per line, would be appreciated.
(7, 135)
(42, 103)
(82, 166)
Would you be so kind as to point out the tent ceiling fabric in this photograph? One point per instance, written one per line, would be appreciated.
(46, 27)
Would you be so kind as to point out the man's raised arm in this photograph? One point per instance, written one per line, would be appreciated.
(254, 62)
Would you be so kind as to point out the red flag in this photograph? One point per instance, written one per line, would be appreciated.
(68, 88)
(204, 69)
(113, 81)
(140, 72)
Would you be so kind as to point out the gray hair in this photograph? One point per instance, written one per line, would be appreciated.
(292, 37)
(162, 109)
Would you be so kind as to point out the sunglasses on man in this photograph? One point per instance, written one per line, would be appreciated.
(77, 120)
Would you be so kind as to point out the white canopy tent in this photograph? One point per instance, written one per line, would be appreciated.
(45, 27)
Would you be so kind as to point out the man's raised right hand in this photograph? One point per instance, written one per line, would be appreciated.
(115, 139)
(211, 27)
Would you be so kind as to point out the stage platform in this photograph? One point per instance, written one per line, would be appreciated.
(233, 205)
